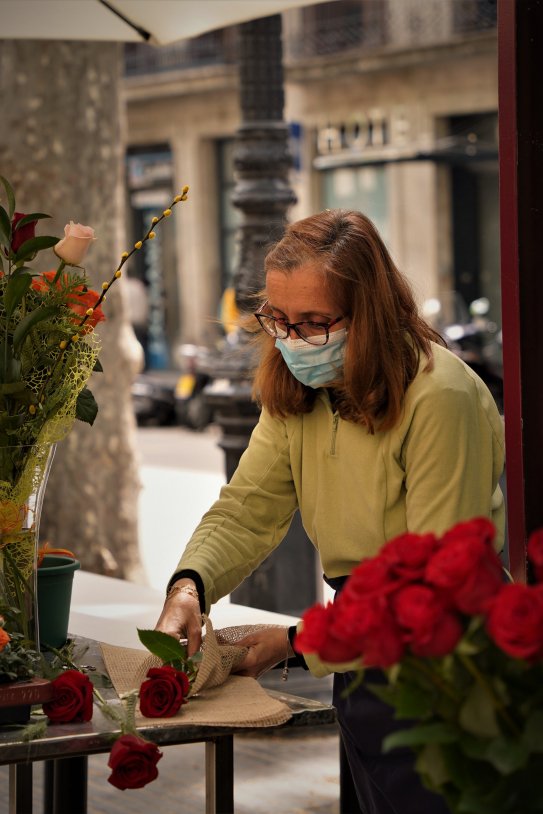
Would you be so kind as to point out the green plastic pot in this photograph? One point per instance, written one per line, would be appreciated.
(55, 580)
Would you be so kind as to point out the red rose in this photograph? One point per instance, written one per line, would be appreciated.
(515, 621)
(442, 639)
(383, 649)
(348, 630)
(72, 700)
(480, 527)
(320, 635)
(429, 628)
(468, 571)
(372, 576)
(23, 234)
(165, 690)
(79, 300)
(408, 554)
(314, 630)
(368, 628)
(133, 762)
(535, 553)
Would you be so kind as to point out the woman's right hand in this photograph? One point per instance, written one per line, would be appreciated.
(181, 616)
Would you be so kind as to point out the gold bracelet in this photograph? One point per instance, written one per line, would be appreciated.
(182, 589)
(284, 672)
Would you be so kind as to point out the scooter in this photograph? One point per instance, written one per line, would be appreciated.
(472, 336)
(191, 407)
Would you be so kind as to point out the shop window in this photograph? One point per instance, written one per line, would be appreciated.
(363, 188)
(152, 290)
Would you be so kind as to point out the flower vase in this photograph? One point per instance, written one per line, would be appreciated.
(23, 478)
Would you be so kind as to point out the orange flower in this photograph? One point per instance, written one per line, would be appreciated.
(46, 548)
(4, 638)
(79, 300)
(40, 284)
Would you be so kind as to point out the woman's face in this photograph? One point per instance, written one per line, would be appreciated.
(300, 295)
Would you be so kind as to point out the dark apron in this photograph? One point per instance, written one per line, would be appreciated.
(385, 783)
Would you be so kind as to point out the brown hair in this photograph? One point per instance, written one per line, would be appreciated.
(386, 333)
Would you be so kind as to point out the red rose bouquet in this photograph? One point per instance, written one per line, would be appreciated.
(462, 649)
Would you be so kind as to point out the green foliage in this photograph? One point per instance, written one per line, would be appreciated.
(86, 407)
(170, 651)
(18, 660)
(31, 247)
(478, 731)
(5, 227)
(10, 195)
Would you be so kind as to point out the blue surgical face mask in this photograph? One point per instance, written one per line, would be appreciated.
(314, 365)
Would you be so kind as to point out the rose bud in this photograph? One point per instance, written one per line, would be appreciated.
(26, 232)
(74, 245)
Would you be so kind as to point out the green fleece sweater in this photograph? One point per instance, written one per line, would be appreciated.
(440, 464)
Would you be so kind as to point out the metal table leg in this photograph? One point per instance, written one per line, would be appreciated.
(20, 788)
(65, 786)
(219, 760)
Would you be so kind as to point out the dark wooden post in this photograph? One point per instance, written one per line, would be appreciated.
(520, 66)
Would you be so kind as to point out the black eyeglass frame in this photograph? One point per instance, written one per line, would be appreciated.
(294, 325)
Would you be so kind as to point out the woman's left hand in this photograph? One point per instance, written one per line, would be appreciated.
(267, 648)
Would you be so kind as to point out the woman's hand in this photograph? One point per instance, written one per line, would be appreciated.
(181, 617)
(267, 648)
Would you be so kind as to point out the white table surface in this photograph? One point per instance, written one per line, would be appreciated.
(111, 610)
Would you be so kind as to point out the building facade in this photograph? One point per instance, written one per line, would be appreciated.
(392, 110)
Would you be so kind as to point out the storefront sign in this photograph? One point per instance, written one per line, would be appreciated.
(369, 133)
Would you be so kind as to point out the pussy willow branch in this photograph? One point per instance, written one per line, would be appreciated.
(137, 246)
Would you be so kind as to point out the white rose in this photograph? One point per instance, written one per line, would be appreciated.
(75, 243)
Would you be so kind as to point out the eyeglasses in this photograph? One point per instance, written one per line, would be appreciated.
(315, 333)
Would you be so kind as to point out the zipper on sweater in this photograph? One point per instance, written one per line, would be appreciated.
(335, 422)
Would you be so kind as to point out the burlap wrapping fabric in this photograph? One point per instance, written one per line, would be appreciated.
(217, 697)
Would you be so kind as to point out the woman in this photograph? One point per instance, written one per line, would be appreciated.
(371, 428)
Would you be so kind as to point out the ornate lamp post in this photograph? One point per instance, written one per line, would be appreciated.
(286, 581)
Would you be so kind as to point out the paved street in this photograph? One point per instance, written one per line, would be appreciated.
(181, 475)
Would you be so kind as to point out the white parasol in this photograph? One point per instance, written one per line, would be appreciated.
(155, 21)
